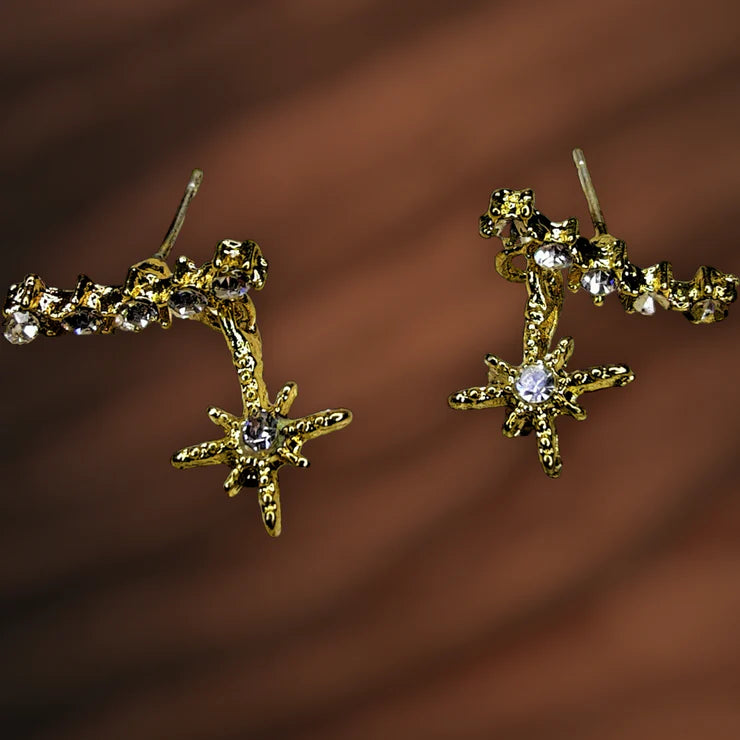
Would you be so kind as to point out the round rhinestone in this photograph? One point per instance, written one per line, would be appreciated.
(21, 327)
(707, 311)
(647, 303)
(187, 302)
(259, 432)
(230, 286)
(535, 383)
(82, 321)
(137, 315)
(553, 256)
(599, 282)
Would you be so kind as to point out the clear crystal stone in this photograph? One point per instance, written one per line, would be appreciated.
(259, 432)
(21, 327)
(535, 383)
(553, 256)
(137, 315)
(647, 303)
(187, 302)
(82, 321)
(599, 282)
(230, 286)
(707, 311)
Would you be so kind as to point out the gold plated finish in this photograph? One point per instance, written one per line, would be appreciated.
(540, 389)
(256, 443)
(282, 438)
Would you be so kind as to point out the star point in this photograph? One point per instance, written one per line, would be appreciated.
(254, 467)
(536, 392)
(263, 438)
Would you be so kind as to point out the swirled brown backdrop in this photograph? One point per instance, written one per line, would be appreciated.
(430, 583)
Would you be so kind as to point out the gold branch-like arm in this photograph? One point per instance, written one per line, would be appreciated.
(246, 351)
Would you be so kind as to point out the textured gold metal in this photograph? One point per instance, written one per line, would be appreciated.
(523, 230)
(250, 467)
(152, 291)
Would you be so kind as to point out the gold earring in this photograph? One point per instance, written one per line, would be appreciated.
(259, 441)
(539, 390)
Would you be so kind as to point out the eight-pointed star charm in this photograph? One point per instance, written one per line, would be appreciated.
(536, 393)
(258, 444)
(263, 439)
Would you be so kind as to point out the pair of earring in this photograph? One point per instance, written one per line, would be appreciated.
(262, 438)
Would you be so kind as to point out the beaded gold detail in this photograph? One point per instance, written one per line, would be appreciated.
(262, 438)
(540, 389)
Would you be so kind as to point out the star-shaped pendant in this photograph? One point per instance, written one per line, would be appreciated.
(263, 439)
(537, 392)
(257, 443)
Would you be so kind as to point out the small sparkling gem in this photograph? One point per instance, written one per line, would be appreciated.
(137, 315)
(647, 303)
(508, 227)
(21, 327)
(230, 286)
(187, 302)
(82, 321)
(535, 383)
(553, 256)
(707, 311)
(260, 431)
(599, 282)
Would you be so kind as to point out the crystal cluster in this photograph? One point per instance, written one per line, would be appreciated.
(599, 265)
(151, 293)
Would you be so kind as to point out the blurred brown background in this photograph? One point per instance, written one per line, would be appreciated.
(431, 582)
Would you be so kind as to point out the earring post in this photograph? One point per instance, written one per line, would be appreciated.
(597, 215)
(191, 190)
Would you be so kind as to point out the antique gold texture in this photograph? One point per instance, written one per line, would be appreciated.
(539, 390)
(511, 216)
(215, 293)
